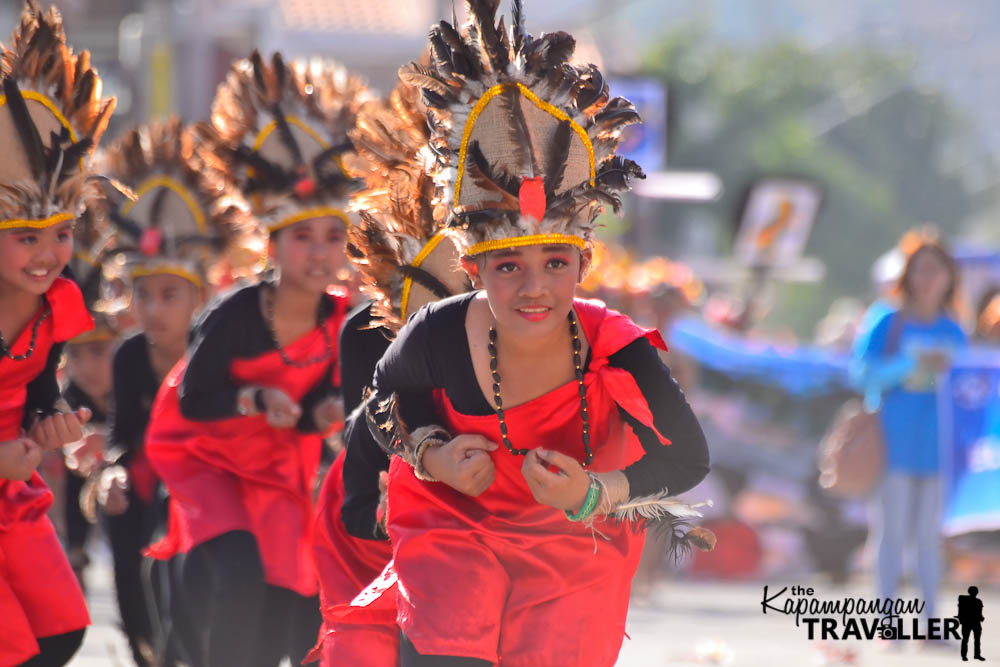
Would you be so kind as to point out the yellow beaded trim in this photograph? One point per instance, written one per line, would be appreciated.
(521, 241)
(51, 106)
(54, 219)
(309, 214)
(93, 336)
(165, 269)
(164, 181)
(417, 261)
(541, 104)
(297, 122)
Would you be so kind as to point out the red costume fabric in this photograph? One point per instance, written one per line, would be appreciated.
(500, 577)
(39, 594)
(346, 564)
(240, 473)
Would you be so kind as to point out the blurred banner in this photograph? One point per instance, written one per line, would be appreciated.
(970, 425)
(646, 143)
(776, 221)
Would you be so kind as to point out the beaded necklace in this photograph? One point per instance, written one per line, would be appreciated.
(34, 336)
(272, 331)
(578, 366)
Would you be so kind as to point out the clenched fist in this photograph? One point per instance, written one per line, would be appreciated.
(463, 463)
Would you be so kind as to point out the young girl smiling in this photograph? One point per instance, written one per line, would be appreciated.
(530, 427)
(46, 132)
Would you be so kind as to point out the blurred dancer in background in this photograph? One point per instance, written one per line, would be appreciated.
(261, 370)
(169, 239)
(404, 262)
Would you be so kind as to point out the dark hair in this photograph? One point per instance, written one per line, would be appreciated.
(933, 245)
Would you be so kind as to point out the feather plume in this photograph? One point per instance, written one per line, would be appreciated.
(38, 59)
(556, 163)
(671, 517)
(520, 137)
(257, 92)
(171, 149)
(520, 36)
(396, 206)
(482, 55)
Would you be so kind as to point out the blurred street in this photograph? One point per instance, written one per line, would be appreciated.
(683, 623)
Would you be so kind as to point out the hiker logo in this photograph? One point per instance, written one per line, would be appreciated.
(970, 615)
(887, 618)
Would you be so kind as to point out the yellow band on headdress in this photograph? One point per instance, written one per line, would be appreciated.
(165, 269)
(93, 336)
(541, 104)
(299, 123)
(309, 214)
(164, 181)
(417, 261)
(521, 241)
(55, 219)
(51, 106)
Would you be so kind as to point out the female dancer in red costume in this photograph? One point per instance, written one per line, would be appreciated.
(47, 131)
(404, 263)
(236, 431)
(169, 240)
(532, 429)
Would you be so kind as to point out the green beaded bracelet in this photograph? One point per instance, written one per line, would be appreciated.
(589, 503)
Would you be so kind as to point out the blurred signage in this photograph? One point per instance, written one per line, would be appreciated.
(161, 94)
(777, 218)
(970, 426)
(645, 142)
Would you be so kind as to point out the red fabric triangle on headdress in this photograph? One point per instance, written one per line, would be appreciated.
(531, 197)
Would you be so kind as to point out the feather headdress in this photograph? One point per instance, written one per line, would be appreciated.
(181, 219)
(281, 130)
(51, 117)
(404, 259)
(525, 140)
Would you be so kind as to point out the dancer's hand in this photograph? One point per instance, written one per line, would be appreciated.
(112, 490)
(19, 458)
(328, 412)
(464, 463)
(83, 455)
(59, 429)
(281, 411)
(555, 479)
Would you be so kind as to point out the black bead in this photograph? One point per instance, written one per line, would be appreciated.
(493, 363)
(586, 439)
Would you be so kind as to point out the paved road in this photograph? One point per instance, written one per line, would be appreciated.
(683, 623)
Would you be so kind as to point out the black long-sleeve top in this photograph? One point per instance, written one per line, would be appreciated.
(43, 390)
(432, 350)
(361, 349)
(233, 327)
(134, 387)
(77, 398)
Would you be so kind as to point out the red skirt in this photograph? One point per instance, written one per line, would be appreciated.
(346, 564)
(500, 577)
(240, 473)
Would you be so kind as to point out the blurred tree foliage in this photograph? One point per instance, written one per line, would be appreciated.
(885, 151)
